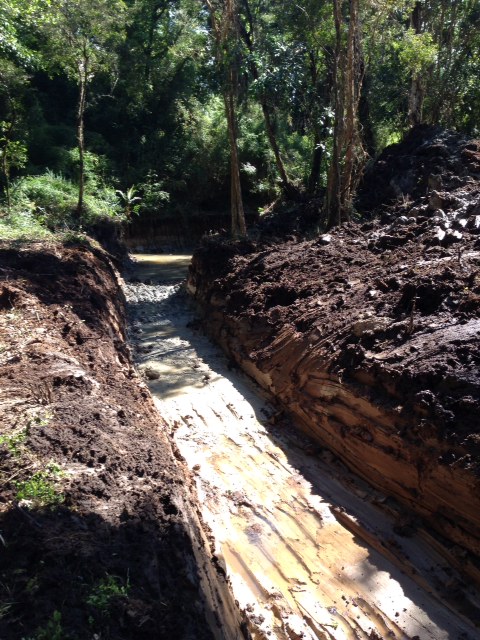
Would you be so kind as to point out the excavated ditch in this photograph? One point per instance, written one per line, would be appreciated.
(100, 535)
(309, 548)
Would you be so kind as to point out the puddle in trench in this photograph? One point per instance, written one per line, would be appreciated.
(295, 569)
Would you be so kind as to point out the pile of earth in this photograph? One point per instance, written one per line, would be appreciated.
(97, 538)
(370, 335)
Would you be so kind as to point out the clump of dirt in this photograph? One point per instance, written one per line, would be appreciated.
(370, 334)
(93, 535)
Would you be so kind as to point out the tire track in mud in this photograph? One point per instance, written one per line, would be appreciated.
(310, 550)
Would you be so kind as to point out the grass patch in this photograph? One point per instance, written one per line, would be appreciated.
(53, 630)
(41, 488)
(15, 441)
(22, 225)
(102, 593)
(43, 206)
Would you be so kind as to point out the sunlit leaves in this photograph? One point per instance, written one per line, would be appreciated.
(417, 51)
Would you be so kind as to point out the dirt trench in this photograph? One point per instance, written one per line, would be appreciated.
(100, 535)
(370, 334)
(310, 549)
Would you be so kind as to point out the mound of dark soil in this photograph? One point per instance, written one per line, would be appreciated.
(370, 335)
(428, 160)
(94, 540)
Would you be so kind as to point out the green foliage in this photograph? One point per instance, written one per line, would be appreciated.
(41, 488)
(22, 225)
(53, 630)
(15, 441)
(154, 114)
(102, 593)
(417, 51)
(129, 199)
(79, 31)
(51, 199)
(154, 197)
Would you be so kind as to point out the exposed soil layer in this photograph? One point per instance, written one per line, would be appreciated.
(370, 335)
(98, 539)
(310, 550)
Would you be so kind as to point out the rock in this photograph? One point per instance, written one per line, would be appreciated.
(452, 236)
(473, 224)
(435, 181)
(326, 238)
(370, 324)
(436, 201)
(418, 211)
(439, 235)
(151, 373)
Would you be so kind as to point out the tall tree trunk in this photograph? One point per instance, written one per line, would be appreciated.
(317, 157)
(348, 153)
(351, 112)
(225, 29)
(332, 199)
(6, 175)
(267, 110)
(5, 164)
(82, 99)
(417, 87)
(268, 117)
(236, 202)
(320, 131)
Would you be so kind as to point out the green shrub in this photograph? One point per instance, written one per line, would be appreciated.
(21, 225)
(49, 201)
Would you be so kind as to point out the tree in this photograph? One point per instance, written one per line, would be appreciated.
(13, 84)
(82, 37)
(247, 31)
(225, 26)
(348, 154)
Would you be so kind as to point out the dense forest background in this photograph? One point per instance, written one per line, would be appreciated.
(154, 108)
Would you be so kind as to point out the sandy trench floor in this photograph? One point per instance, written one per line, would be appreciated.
(291, 526)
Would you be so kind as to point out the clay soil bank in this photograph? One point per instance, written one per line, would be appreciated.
(369, 336)
(99, 533)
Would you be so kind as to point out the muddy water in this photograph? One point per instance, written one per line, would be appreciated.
(310, 551)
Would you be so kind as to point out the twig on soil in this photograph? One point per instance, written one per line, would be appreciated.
(411, 325)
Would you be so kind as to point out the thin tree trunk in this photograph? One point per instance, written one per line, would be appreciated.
(268, 114)
(317, 157)
(417, 88)
(350, 113)
(348, 152)
(332, 200)
(320, 132)
(225, 29)
(288, 187)
(5, 167)
(83, 78)
(237, 212)
(6, 175)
